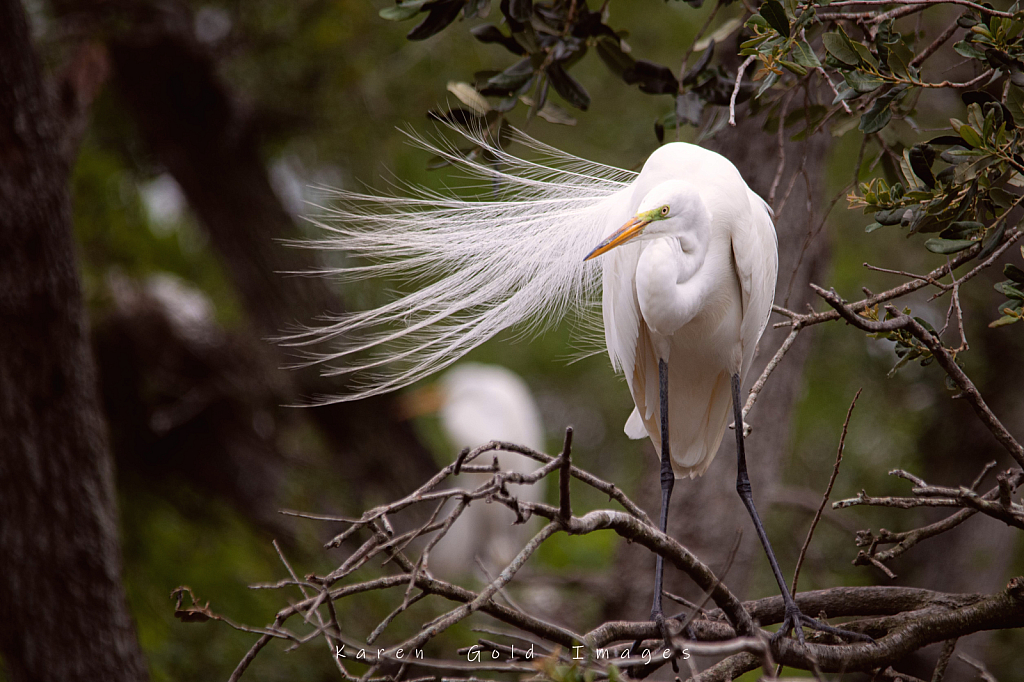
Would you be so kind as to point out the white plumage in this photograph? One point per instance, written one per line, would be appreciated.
(694, 289)
(480, 403)
(510, 257)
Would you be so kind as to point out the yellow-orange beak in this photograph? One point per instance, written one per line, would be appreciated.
(631, 229)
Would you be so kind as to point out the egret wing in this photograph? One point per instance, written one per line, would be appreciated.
(629, 343)
(755, 249)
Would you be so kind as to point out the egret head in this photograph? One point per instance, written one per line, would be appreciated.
(670, 209)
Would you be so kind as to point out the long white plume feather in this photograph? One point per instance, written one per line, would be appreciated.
(513, 257)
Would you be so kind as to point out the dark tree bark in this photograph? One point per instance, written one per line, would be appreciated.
(63, 613)
(196, 127)
(188, 397)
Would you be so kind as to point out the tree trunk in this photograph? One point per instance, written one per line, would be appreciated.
(63, 613)
(192, 122)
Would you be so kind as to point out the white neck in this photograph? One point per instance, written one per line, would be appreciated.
(669, 283)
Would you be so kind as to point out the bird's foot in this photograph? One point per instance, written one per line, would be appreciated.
(796, 621)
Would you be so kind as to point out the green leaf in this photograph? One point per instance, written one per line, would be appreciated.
(1013, 272)
(925, 323)
(512, 78)
(1007, 289)
(756, 20)
(550, 112)
(610, 51)
(754, 42)
(890, 217)
(862, 82)
(900, 57)
(961, 229)
(877, 117)
(1003, 321)
(767, 83)
(948, 246)
(520, 10)
(402, 11)
(844, 92)
(958, 154)
(975, 116)
(794, 67)
(804, 55)
(970, 135)
(966, 49)
(865, 54)
(873, 226)
(439, 16)
(1015, 103)
(967, 226)
(840, 47)
(775, 15)
(568, 87)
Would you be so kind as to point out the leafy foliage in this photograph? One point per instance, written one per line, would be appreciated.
(1013, 289)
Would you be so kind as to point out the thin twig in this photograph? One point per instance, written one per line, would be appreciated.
(736, 89)
(935, 44)
(964, 3)
(828, 492)
(564, 504)
(758, 386)
(940, 665)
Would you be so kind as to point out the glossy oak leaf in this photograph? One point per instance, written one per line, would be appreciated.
(489, 33)
(611, 53)
(439, 16)
(982, 98)
(590, 24)
(922, 156)
(654, 79)
(568, 87)
(520, 10)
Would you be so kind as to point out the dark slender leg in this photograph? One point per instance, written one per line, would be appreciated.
(668, 481)
(794, 618)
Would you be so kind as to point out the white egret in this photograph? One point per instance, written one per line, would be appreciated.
(687, 286)
(478, 403)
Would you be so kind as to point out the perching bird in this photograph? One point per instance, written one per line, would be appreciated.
(687, 286)
(478, 403)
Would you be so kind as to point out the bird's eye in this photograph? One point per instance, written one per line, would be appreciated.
(664, 210)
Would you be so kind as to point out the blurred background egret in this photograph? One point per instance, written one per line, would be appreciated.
(477, 403)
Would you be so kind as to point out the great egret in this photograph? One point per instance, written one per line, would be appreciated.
(687, 286)
(478, 403)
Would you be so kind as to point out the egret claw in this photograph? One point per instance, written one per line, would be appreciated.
(795, 620)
